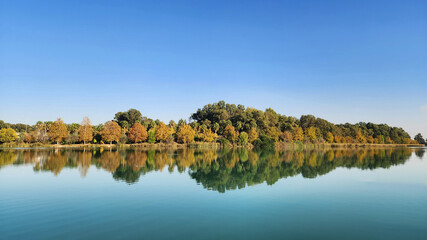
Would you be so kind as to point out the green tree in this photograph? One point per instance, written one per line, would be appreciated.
(128, 118)
(420, 139)
(151, 136)
(243, 139)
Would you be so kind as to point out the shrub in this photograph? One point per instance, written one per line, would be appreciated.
(224, 142)
(243, 139)
(264, 142)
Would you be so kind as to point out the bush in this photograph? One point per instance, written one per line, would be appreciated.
(224, 142)
(72, 138)
(123, 139)
(264, 142)
(243, 139)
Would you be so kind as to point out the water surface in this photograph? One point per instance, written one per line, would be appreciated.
(322, 194)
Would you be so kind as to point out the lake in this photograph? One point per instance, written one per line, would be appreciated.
(213, 194)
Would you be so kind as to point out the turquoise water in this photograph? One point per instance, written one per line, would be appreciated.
(317, 194)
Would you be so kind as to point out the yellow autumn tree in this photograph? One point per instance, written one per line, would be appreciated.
(209, 136)
(111, 132)
(185, 134)
(370, 139)
(162, 132)
(273, 133)
(298, 134)
(360, 138)
(137, 133)
(85, 131)
(58, 131)
(252, 135)
(7, 135)
(310, 133)
(230, 133)
(329, 137)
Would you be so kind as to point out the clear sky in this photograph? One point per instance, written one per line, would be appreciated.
(344, 61)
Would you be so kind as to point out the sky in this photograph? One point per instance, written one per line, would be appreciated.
(344, 61)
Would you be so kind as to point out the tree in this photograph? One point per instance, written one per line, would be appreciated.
(128, 118)
(252, 135)
(338, 139)
(298, 134)
(329, 137)
(230, 133)
(243, 139)
(7, 135)
(360, 138)
(209, 136)
(381, 139)
(151, 136)
(162, 132)
(370, 139)
(419, 138)
(137, 133)
(310, 133)
(286, 136)
(273, 133)
(216, 127)
(111, 132)
(85, 130)
(185, 134)
(58, 131)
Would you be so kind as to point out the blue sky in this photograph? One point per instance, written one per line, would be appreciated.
(344, 61)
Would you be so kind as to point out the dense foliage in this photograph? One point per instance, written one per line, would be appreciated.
(229, 124)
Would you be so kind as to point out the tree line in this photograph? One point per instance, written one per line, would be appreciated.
(228, 124)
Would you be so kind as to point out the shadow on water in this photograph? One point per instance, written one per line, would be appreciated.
(218, 170)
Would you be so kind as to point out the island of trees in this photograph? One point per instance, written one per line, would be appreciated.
(227, 124)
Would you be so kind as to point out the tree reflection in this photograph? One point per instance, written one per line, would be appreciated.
(215, 170)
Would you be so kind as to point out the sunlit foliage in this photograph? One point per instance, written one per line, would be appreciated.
(137, 133)
(111, 132)
(7, 135)
(58, 131)
(85, 131)
(162, 132)
(185, 134)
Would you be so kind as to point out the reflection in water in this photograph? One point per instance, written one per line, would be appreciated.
(216, 170)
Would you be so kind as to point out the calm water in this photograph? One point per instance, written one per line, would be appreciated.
(334, 194)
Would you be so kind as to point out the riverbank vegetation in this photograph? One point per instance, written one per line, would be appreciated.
(227, 124)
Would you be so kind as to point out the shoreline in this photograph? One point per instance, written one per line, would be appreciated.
(202, 145)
